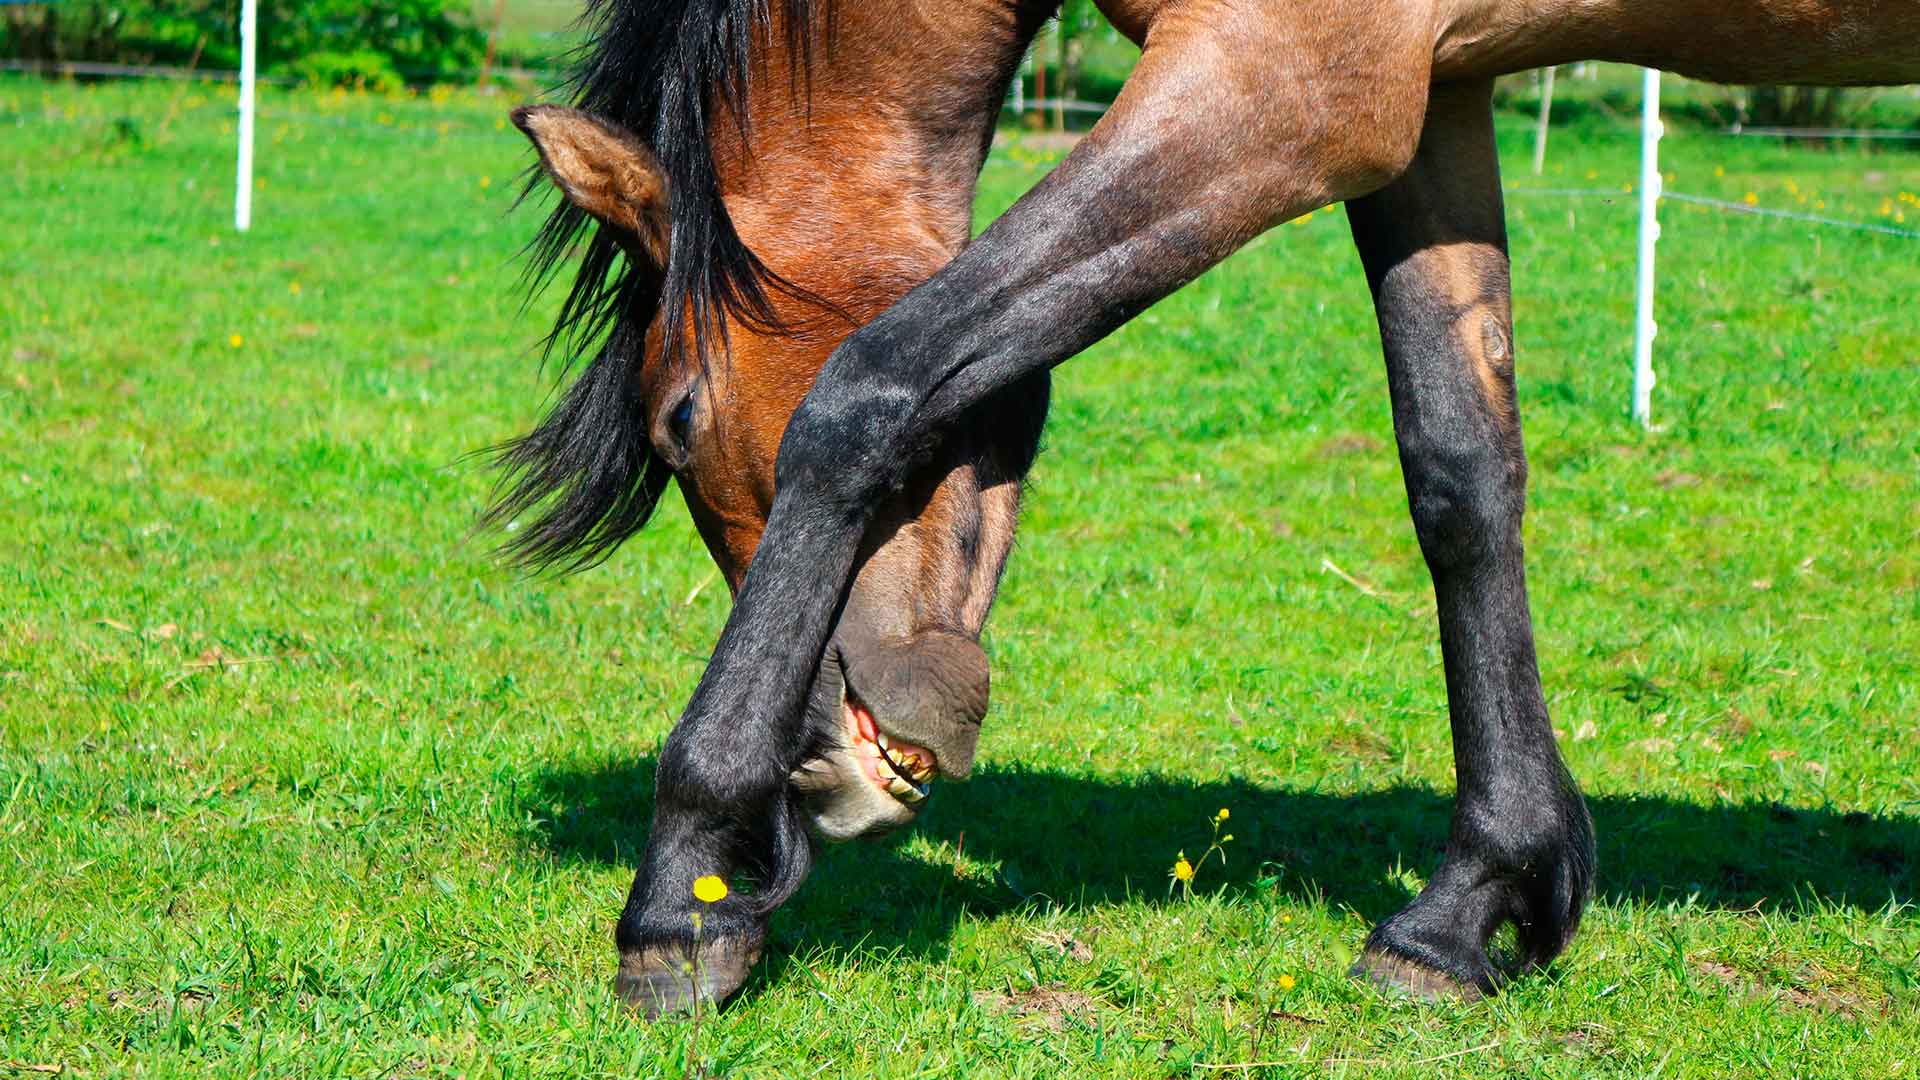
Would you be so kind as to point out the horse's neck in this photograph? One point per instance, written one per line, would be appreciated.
(878, 145)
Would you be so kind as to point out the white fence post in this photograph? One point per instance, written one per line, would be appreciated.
(1546, 117)
(1650, 185)
(243, 182)
(1020, 85)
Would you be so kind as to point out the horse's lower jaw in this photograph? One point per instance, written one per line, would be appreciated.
(867, 784)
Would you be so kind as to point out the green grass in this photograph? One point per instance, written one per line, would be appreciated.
(391, 836)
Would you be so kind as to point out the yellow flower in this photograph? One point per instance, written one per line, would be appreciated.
(709, 889)
(235, 340)
(1182, 869)
(293, 287)
(1222, 815)
(486, 181)
(1751, 198)
(1285, 982)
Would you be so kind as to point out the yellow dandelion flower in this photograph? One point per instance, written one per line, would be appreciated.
(486, 181)
(1285, 982)
(1182, 869)
(293, 287)
(1222, 815)
(1751, 198)
(709, 889)
(235, 341)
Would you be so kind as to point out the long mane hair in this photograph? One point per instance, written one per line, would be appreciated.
(666, 70)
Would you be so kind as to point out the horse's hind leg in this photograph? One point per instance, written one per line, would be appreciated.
(1521, 847)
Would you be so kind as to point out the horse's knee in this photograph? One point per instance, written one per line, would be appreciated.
(846, 443)
(1466, 494)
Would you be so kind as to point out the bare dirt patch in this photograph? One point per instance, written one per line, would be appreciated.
(1077, 946)
(1807, 992)
(1051, 1006)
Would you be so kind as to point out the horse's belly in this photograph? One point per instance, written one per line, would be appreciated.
(1737, 41)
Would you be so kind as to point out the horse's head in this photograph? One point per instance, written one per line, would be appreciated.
(902, 689)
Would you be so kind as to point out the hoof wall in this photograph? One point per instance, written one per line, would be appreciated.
(1396, 973)
(667, 980)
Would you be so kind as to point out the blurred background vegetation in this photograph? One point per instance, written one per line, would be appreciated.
(381, 44)
(385, 45)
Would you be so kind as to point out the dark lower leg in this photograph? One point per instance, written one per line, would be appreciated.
(673, 943)
(723, 808)
(1520, 849)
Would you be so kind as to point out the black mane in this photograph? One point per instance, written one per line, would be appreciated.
(664, 70)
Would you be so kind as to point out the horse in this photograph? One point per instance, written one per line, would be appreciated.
(785, 315)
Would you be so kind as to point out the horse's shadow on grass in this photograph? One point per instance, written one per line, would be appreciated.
(1073, 842)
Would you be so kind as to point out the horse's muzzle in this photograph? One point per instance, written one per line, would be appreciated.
(893, 715)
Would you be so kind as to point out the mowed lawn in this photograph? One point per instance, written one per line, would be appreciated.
(295, 780)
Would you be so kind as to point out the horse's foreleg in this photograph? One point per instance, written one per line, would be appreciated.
(1233, 121)
(1521, 847)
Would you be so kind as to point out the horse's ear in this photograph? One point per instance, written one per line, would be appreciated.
(603, 170)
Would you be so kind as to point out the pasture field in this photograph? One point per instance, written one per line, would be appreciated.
(294, 781)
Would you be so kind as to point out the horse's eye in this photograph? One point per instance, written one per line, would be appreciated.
(680, 421)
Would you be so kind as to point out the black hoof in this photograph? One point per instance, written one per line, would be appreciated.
(1387, 971)
(667, 980)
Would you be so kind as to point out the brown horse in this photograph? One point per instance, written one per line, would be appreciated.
(791, 322)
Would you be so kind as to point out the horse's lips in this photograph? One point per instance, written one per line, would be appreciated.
(901, 769)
